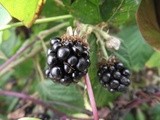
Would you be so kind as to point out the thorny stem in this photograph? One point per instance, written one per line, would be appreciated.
(43, 20)
(36, 101)
(91, 97)
(41, 35)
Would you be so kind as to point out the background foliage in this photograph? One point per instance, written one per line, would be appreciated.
(24, 74)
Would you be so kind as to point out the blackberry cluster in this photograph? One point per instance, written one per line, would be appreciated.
(67, 59)
(114, 76)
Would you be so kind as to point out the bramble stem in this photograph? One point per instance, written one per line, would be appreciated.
(39, 102)
(102, 44)
(91, 97)
(43, 20)
(41, 35)
(27, 97)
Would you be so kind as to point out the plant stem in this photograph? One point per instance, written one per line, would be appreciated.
(102, 44)
(37, 101)
(41, 35)
(43, 20)
(27, 97)
(103, 49)
(91, 97)
(21, 60)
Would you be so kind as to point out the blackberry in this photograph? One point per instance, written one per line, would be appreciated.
(67, 59)
(43, 116)
(114, 76)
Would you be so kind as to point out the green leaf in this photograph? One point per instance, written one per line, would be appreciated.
(10, 43)
(50, 11)
(124, 12)
(102, 96)
(134, 51)
(5, 16)
(25, 69)
(96, 11)
(154, 61)
(62, 94)
(24, 10)
(155, 112)
(108, 7)
(140, 115)
(129, 116)
(85, 11)
(147, 19)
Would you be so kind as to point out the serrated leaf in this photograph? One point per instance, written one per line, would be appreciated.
(108, 7)
(148, 22)
(102, 96)
(5, 16)
(124, 12)
(24, 10)
(134, 51)
(96, 11)
(86, 11)
(60, 93)
(154, 61)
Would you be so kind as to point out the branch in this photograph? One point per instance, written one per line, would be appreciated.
(41, 35)
(37, 101)
(27, 97)
(138, 101)
(43, 20)
(91, 97)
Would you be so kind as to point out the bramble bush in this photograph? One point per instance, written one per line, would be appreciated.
(79, 59)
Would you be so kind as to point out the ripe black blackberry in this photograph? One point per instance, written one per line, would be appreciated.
(114, 76)
(67, 59)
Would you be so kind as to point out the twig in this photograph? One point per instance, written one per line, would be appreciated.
(41, 35)
(138, 101)
(91, 97)
(17, 54)
(21, 60)
(37, 101)
(27, 97)
(43, 20)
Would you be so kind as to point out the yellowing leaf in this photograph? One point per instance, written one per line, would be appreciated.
(148, 22)
(24, 10)
(154, 61)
